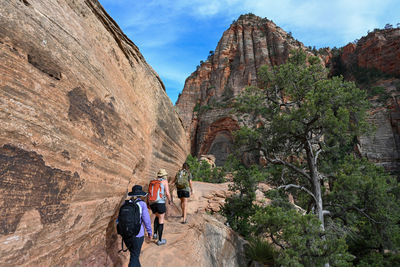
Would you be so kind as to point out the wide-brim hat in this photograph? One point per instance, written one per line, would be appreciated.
(161, 173)
(137, 191)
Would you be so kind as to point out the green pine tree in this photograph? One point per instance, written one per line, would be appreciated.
(306, 126)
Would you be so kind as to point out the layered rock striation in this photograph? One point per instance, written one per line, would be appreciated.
(249, 43)
(83, 118)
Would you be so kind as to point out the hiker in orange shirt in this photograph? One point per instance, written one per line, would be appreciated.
(158, 194)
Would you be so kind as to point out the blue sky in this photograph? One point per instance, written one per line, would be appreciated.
(174, 35)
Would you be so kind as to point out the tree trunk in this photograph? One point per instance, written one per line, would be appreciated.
(316, 184)
(317, 187)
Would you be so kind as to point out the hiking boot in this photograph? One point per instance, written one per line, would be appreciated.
(161, 242)
(155, 236)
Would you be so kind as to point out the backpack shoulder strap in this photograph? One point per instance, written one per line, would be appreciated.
(140, 207)
(122, 247)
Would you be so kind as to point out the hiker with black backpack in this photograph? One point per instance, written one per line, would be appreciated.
(133, 214)
(183, 184)
(158, 194)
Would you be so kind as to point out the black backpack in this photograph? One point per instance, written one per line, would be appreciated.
(129, 222)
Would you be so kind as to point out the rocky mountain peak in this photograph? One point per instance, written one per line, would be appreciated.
(245, 46)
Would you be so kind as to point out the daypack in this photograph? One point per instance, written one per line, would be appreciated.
(129, 221)
(182, 180)
(156, 191)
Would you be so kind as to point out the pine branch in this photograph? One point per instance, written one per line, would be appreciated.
(316, 156)
(326, 212)
(276, 242)
(288, 186)
(365, 214)
(290, 165)
(344, 209)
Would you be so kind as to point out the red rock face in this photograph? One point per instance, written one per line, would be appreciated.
(218, 140)
(83, 118)
(248, 44)
(379, 50)
(348, 51)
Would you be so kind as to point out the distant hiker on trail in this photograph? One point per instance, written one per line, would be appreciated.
(183, 183)
(158, 193)
(132, 215)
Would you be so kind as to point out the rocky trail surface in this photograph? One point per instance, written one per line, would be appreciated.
(203, 241)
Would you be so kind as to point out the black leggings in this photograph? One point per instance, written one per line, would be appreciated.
(156, 225)
(158, 228)
(137, 243)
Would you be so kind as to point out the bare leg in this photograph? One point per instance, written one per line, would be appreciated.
(160, 217)
(184, 208)
(182, 199)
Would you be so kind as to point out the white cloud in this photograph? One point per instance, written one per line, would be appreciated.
(174, 74)
(210, 9)
(156, 37)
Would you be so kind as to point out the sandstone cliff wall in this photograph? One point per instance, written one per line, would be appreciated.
(83, 118)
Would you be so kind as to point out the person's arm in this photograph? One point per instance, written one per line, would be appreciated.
(174, 180)
(167, 191)
(190, 183)
(172, 183)
(146, 219)
(191, 186)
(147, 198)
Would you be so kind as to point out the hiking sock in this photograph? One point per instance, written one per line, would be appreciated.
(156, 225)
(160, 230)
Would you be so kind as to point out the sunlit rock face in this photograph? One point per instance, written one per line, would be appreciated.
(380, 49)
(249, 43)
(83, 118)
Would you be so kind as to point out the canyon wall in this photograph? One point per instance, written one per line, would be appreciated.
(83, 118)
(374, 62)
(249, 43)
